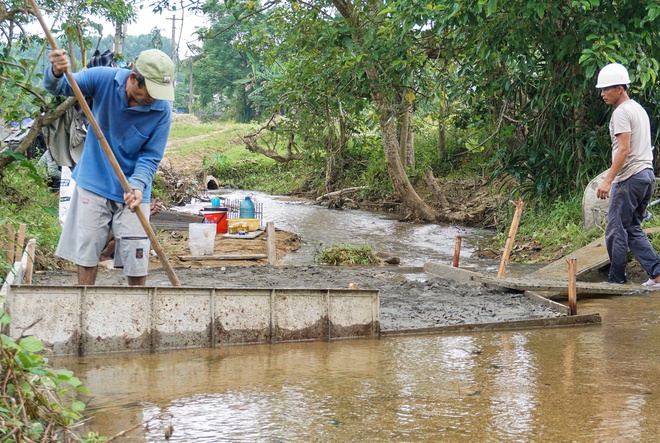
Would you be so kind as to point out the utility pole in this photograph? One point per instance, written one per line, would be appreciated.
(190, 87)
(174, 45)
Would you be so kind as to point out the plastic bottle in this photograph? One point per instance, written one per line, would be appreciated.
(215, 202)
(247, 208)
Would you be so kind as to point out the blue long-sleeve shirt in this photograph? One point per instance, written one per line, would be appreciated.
(137, 135)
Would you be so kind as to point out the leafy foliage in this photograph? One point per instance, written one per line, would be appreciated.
(338, 255)
(32, 408)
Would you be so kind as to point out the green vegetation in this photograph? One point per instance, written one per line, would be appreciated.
(208, 139)
(550, 231)
(32, 405)
(26, 198)
(338, 255)
(354, 86)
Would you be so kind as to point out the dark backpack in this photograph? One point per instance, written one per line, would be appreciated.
(98, 59)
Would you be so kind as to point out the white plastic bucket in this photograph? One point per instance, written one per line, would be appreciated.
(201, 238)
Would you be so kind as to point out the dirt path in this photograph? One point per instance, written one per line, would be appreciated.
(190, 163)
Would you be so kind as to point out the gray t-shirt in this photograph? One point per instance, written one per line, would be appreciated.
(629, 116)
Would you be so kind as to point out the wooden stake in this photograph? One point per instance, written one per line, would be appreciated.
(20, 238)
(572, 285)
(272, 244)
(457, 251)
(29, 268)
(509, 240)
(108, 152)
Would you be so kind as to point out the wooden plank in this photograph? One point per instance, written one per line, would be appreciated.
(555, 322)
(224, 257)
(560, 286)
(457, 274)
(247, 236)
(29, 268)
(20, 239)
(589, 257)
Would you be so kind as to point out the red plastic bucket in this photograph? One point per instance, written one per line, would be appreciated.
(217, 216)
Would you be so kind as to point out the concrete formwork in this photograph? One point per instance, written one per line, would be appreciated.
(99, 319)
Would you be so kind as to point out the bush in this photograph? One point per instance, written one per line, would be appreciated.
(32, 408)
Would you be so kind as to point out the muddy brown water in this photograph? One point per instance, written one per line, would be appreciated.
(586, 384)
(318, 227)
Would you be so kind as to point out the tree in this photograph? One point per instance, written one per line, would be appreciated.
(20, 94)
(225, 63)
(522, 74)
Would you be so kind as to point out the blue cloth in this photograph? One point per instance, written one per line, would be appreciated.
(137, 135)
(628, 202)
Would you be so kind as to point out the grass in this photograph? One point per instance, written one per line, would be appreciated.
(549, 231)
(208, 140)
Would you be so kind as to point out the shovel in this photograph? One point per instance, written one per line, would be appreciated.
(108, 152)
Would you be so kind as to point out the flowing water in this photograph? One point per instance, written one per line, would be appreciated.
(586, 384)
(413, 243)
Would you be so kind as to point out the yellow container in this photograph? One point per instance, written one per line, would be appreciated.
(252, 223)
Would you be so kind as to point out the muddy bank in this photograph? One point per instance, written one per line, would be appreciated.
(409, 298)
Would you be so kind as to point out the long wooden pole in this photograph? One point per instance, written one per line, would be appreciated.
(509, 240)
(108, 152)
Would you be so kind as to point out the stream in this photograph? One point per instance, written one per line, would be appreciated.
(598, 383)
(319, 227)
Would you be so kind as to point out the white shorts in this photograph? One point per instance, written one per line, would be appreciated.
(89, 222)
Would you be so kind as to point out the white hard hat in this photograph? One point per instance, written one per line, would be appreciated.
(613, 74)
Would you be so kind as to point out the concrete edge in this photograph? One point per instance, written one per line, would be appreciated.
(556, 322)
(456, 274)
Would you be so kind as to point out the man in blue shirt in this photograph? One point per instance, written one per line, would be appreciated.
(133, 110)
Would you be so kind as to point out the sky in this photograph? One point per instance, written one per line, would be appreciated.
(148, 20)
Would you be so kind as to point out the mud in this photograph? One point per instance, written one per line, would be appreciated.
(409, 298)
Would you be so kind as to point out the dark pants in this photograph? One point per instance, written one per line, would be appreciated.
(628, 202)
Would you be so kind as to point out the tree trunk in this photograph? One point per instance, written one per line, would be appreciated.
(400, 182)
(442, 131)
(387, 122)
(403, 131)
(410, 148)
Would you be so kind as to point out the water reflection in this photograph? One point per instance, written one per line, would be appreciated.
(589, 384)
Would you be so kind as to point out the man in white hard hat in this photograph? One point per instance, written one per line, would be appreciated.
(630, 181)
(133, 109)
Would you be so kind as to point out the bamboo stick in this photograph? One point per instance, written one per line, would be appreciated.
(510, 238)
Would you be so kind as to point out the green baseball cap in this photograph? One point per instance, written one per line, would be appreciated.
(158, 71)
